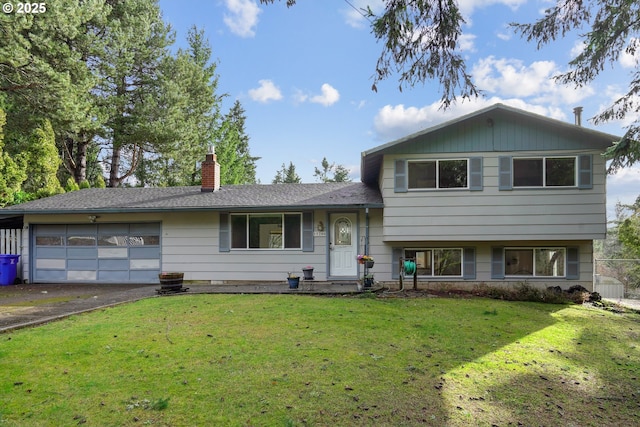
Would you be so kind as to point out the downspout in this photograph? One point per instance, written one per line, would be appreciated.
(366, 231)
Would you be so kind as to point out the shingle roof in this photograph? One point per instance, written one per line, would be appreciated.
(248, 197)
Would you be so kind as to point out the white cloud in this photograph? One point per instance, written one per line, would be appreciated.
(622, 187)
(467, 7)
(577, 48)
(267, 91)
(513, 78)
(467, 43)
(242, 17)
(396, 121)
(330, 96)
(354, 14)
(630, 57)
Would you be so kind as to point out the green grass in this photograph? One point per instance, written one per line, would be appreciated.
(257, 360)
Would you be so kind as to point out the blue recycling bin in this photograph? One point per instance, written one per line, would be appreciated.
(8, 269)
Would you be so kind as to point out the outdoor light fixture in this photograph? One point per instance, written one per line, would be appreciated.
(93, 218)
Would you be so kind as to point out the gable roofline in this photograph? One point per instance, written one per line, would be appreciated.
(371, 159)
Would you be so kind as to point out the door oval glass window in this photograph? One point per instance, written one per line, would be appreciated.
(343, 232)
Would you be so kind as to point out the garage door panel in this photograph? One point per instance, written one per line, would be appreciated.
(112, 253)
(81, 275)
(144, 228)
(144, 252)
(144, 264)
(48, 229)
(113, 228)
(51, 275)
(144, 276)
(82, 264)
(113, 264)
(113, 276)
(51, 252)
(90, 229)
(82, 253)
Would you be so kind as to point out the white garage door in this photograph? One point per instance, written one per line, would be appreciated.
(102, 253)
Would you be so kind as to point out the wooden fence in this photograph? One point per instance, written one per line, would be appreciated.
(11, 244)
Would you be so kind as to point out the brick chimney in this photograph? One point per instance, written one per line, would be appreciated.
(210, 172)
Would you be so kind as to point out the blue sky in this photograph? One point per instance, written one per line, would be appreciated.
(304, 74)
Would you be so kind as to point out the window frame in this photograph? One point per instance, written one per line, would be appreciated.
(247, 231)
(437, 174)
(544, 171)
(432, 261)
(534, 249)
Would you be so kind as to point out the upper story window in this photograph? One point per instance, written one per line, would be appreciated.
(266, 231)
(544, 172)
(438, 174)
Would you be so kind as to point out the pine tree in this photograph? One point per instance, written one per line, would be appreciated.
(340, 173)
(287, 175)
(238, 165)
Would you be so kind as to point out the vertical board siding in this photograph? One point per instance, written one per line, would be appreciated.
(11, 241)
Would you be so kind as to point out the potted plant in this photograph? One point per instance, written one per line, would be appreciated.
(308, 272)
(294, 280)
(367, 260)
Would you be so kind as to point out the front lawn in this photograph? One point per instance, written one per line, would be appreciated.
(285, 360)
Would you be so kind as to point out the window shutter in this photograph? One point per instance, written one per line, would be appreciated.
(475, 174)
(504, 173)
(396, 253)
(469, 263)
(224, 238)
(307, 232)
(497, 262)
(400, 176)
(585, 171)
(573, 263)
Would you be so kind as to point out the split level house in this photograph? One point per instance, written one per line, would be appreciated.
(498, 196)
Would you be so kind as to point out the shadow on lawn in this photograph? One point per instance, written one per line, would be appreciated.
(587, 377)
(432, 345)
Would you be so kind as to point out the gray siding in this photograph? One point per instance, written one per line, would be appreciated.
(494, 214)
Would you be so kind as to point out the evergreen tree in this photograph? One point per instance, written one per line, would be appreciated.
(130, 86)
(287, 175)
(12, 170)
(192, 116)
(43, 163)
(340, 173)
(45, 74)
(238, 165)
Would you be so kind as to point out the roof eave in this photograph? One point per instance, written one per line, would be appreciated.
(197, 209)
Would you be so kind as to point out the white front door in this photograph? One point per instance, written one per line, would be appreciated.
(343, 245)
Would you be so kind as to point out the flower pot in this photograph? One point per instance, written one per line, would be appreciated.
(369, 264)
(368, 282)
(308, 273)
(293, 282)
